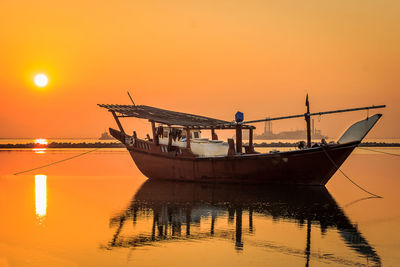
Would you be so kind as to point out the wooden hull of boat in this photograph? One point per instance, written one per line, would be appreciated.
(312, 166)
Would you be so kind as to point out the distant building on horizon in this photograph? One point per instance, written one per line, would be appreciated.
(106, 136)
(297, 134)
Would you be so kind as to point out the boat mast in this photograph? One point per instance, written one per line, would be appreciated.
(307, 117)
(117, 121)
(251, 140)
(131, 98)
(315, 113)
(239, 141)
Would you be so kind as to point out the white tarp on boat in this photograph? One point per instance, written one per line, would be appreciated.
(202, 147)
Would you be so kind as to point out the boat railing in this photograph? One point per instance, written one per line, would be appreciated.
(143, 144)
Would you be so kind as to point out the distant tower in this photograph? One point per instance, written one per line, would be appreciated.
(268, 127)
(313, 127)
(265, 127)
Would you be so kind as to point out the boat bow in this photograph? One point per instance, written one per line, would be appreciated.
(359, 130)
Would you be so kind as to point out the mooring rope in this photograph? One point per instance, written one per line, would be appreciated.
(333, 162)
(357, 200)
(383, 152)
(56, 162)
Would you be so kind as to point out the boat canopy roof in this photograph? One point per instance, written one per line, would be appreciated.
(170, 117)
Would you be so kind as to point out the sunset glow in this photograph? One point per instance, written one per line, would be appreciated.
(41, 141)
(260, 58)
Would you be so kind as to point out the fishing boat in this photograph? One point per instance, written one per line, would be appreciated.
(176, 150)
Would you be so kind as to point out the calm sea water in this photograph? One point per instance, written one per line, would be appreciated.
(99, 210)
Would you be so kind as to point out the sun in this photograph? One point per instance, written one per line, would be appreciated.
(41, 80)
(41, 141)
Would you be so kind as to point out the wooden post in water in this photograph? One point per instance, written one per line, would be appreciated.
(239, 138)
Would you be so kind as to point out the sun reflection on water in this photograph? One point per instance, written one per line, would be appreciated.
(39, 150)
(41, 196)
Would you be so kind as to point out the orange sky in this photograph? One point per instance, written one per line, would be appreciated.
(204, 57)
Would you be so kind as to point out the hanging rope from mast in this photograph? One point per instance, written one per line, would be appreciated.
(354, 183)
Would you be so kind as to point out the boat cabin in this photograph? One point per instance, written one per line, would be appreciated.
(177, 137)
(194, 134)
(180, 132)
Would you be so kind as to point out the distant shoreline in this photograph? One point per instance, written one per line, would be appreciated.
(119, 145)
(65, 145)
(291, 144)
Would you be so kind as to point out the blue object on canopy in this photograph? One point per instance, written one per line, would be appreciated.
(239, 116)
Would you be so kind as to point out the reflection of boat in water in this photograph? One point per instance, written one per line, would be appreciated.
(177, 208)
(178, 154)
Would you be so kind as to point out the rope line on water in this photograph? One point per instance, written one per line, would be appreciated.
(56, 162)
(357, 200)
(383, 152)
(333, 162)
